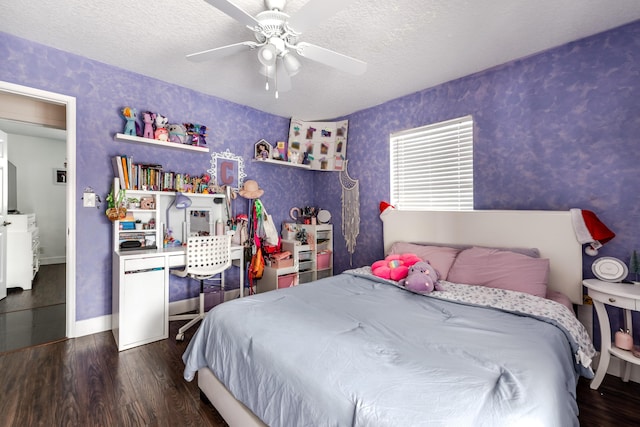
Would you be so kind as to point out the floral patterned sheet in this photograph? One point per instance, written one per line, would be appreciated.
(514, 302)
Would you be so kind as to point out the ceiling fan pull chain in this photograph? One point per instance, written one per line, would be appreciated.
(266, 78)
(275, 76)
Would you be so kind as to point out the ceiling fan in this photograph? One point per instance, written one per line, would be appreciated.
(277, 36)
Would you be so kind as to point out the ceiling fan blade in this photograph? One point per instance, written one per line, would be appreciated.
(220, 52)
(315, 12)
(333, 59)
(235, 12)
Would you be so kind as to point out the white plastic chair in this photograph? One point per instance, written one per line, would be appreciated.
(206, 257)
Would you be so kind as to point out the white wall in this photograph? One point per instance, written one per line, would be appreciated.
(35, 159)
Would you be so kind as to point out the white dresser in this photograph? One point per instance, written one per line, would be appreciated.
(22, 251)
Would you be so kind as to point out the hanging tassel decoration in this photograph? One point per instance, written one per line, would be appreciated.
(350, 210)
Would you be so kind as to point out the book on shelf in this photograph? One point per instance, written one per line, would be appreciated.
(138, 176)
(125, 170)
(117, 170)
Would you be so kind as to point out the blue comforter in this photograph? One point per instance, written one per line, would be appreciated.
(349, 350)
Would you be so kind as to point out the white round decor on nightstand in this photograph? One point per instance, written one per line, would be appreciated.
(610, 269)
(324, 216)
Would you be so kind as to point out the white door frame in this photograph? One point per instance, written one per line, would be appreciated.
(3, 213)
(70, 103)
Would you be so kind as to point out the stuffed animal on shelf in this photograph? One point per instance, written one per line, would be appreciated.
(192, 134)
(422, 277)
(161, 133)
(147, 118)
(202, 134)
(177, 133)
(130, 115)
(196, 134)
(395, 266)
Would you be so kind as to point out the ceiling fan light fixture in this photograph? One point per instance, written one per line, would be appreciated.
(277, 36)
(267, 55)
(291, 64)
(268, 70)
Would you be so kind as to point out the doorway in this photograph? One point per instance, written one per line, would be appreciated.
(67, 275)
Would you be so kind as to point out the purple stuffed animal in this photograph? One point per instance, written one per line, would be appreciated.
(422, 278)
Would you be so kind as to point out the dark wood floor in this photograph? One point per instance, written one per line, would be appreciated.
(615, 403)
(36, 316)
(48, 288)
(86, 382)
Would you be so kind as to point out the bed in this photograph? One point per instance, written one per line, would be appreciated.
(356, 349)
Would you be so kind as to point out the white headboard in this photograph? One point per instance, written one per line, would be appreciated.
(551, 232)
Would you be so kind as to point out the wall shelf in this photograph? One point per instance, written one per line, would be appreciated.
(137, 139)
(282, 163)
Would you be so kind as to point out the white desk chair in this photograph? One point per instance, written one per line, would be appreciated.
(206, 257)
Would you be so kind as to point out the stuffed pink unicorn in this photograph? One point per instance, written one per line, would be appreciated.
(147, 118)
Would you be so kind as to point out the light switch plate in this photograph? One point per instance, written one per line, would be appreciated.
(89, 200)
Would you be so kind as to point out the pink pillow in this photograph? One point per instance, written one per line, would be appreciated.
(561, 298)
(501, 269)
(440, 257)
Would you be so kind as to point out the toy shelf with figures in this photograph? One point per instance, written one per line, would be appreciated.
(282, 163)
(137, 139)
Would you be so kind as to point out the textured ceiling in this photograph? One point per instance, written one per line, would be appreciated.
(409, 45)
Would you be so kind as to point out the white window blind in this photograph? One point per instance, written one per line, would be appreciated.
(432, 166)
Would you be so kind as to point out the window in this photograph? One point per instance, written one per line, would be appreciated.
(432, 167)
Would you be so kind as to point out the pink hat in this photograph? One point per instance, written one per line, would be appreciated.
(590, 230)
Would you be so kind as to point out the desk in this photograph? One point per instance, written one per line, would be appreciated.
(140, 293)
(622, 295)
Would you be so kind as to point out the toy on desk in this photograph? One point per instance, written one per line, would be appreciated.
(169, 241)
(131, 126)
(147, 118)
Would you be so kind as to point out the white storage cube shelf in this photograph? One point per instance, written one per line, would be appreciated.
(305, 264)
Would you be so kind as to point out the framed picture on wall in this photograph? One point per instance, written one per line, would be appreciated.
(227, 169)
(59, 176)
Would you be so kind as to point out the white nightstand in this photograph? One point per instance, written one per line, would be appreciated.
(622, 295)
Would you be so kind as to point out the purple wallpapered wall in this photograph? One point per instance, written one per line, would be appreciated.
(100, 92)
(552, 131)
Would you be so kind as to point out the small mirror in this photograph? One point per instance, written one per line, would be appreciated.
(199, 222)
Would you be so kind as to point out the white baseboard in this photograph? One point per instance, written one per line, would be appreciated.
(92, 326)
(53, 260)
(103, 323)
(191, 304)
